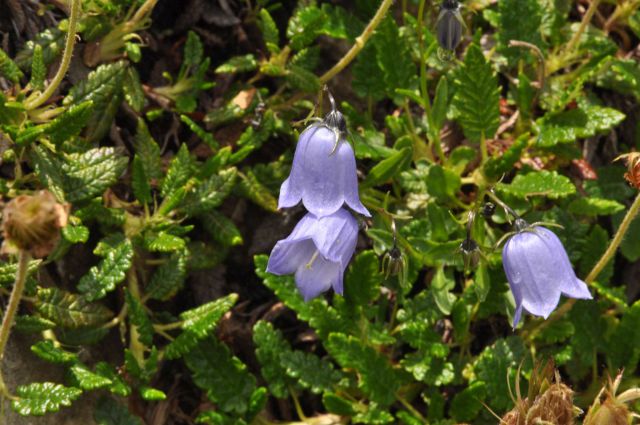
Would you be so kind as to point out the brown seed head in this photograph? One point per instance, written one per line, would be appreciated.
(633, 168)
(33, 223)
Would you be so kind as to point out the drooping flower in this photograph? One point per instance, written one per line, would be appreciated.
(317, 252)
(323, 173)
(538, 269)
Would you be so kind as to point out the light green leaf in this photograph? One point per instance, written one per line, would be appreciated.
(83, 378)
(210, 193)
(9, 69)
(269, 29)
(179, 172)
(518, 20)
(595, 206)
(237, 64)
(70, 310)
(46, 350)
(363, 280)
(388, 168)
(539, 183)
(441, 287)
(39, 398)
(168, 278)
(139, 319)
(112, 270)
(477, 97)
(304, 26)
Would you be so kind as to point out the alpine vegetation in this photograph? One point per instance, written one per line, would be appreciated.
(317, 252)
(538, 269)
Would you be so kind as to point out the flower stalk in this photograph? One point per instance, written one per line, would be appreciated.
(66, 58)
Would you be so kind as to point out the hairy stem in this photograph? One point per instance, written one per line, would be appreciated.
(361, 41)
(66, 58)
(12, 308)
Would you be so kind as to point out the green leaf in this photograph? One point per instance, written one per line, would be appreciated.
(139, 319)
(302, 79)
(595, 206)
(132, 88)
(376, 376)
(32, 324)
(223, 376)
(200, 132)
(442, 183)
(179, 172)
(238, 64)
(9, 69)
(582, 122)
(594, 246)
(393, 57)
(46, 350)
(38, 69)
(112, 270)
(164, 242)
(52, 42)
(251, 188)
(518, 20)
(39, 398)
(269, 346)
(440, 103)
(495, 167)
(70, 310)
(193, 51)
(310, 371)
(468, 403)
(197, 325)
(84, 378)
(110, 412)
(148, 151)
(368, 81)
(221, 228)
(269, 29)
(77, 177)
(152, 394)
(103, 87)
(630, 246)
(210, 193)
(497, 364)
(338, 405)
(70, 123)
(623, 347)
(75, 234)
(168, 279)
(8, 271)
(363, 280)
(388, 168)
(441, 287)
(539, 183)
(140, 181)
(477, 97)
(304, 26)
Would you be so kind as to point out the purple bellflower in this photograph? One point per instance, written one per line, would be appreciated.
(538, 269)
(323, 174)
(317, 252)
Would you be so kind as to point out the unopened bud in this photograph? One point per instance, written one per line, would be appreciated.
(33, 223)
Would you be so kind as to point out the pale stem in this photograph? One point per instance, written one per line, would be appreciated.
(583, 25)
(66, 58)
(361, 41)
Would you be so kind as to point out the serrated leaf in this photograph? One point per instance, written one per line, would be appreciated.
(118, 385)
(368, 81)
(193, 50)
(210, 193)
(466, 405)
(376, 376)
(594, 246)
(168, 278)
(8, 271)
(46, 350)
(84, 378)
(442, 183)
(152, 394)
(70, 310)
(179, 172)
(222, 376)
(52, 42)
(624, 343)
(269, 29)
(9, 69)
(303, 79)
(200, 132)
(38, 69)
(630, 246)
(477, 97)
(595, 206)
(269, 346)
(539, 183)
(388, 168)
(393, 57)
(148, 151)
(39, 398)
(512, 26)
(250, 187)
(237, 64)
(363, 280)
(112, 270)
(304, 26)
(75, 234)
(103, 87)
(221, 228)
(140, 181)
(70, 123)
(496, 166)
(310, 371)
(132, 88)
(582, 122)
(139, 319)
(110, 412)
(32, 324)
(197, 325)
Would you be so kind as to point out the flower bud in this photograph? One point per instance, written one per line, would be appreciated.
(33, 223)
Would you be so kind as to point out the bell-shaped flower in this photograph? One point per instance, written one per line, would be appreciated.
(538, 269)
(323, 174)
(317, 252)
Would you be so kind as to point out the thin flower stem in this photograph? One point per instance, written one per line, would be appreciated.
(12, 308)
(595, 271)
(411, 409)
(361, 41)
(66, 58)
(583, 25)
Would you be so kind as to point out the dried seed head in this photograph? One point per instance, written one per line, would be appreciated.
(608, 413)
(633, 168)
(33, 223)
(554, 406)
